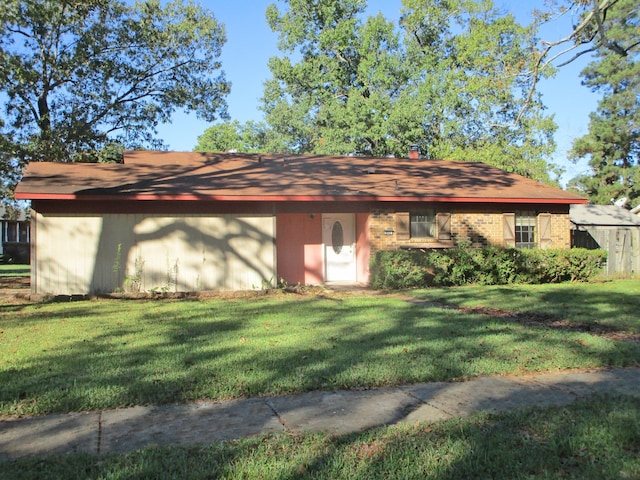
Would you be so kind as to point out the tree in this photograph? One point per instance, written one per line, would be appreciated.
(473, 64)
(249, 137)
(220, 138)
(315, 105)
(78, 77)
(612, 143)
(588, 35)
(452, 78)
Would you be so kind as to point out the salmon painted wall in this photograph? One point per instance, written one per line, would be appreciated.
(299, 248)
(363, 247)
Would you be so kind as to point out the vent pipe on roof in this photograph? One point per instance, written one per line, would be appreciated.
(414, 151)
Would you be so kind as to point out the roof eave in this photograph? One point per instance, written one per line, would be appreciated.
(294, 198)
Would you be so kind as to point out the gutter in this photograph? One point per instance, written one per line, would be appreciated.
(294, 198)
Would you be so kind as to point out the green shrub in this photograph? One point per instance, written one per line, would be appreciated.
(400, 269)
(577, 264)
(485, 266)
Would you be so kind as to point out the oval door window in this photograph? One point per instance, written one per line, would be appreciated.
(337, 237)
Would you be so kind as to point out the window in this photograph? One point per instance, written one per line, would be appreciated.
(525, 231)
(15, 231)
(23, 232)
(423, 224)
(12, 232)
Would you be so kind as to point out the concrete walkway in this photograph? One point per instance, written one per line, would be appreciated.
(338, 412)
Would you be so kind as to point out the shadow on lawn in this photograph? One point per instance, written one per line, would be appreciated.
(414, 342)
(577, 304)
(558, 442)
(193, 357)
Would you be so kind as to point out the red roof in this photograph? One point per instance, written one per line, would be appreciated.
(147, 175)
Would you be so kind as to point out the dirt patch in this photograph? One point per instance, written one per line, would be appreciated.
(302, 292)
(15, 282)
(551, 321)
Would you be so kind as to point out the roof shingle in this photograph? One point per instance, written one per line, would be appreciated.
(233, 176)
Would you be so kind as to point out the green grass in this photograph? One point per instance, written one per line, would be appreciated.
(10, 270)
(610, 304)
(98, 354)
(595, 439)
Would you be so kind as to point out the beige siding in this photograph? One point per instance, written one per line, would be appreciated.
(111, 252)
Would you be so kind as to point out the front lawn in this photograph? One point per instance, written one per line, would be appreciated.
(98, 354)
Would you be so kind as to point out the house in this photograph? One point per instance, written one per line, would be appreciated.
(611, 228)
(14, 235)
(188, 221)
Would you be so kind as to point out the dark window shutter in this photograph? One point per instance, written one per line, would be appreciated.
(403, 226)
(444, 226)
(509, 228)
(544, 227)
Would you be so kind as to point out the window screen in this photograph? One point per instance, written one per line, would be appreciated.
(525, 229)
(423, 225)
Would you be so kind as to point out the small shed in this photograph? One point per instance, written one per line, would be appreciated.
(611, 228)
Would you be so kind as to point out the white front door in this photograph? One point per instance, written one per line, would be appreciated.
(339, 239)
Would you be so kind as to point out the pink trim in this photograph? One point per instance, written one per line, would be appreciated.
(292, 198)
(363, 247)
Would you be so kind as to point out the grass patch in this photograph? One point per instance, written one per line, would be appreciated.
(10, 270)
(99, 354)
(612, 304)
(597, 438)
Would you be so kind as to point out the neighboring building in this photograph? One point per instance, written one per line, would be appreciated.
(611, 228)
(15, 236)
(190, 221)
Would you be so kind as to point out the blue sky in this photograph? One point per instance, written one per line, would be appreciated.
(250, 43)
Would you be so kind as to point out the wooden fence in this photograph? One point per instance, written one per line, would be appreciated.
(622, 246)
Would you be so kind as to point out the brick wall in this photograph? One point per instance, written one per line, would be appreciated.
(560, 231)
(379, 221)
(481, 228)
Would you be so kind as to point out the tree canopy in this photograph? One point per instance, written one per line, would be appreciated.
(248, 137)
(588, 35)
(612, 144)
(78, 77)
(452, 77)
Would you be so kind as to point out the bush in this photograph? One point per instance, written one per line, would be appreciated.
(486, 266)
(17, 253)
(400, 269)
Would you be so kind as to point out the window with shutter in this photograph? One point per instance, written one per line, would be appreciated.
(423, 225)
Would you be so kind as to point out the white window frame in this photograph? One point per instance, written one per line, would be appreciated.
(526, 229)
(421, 228)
